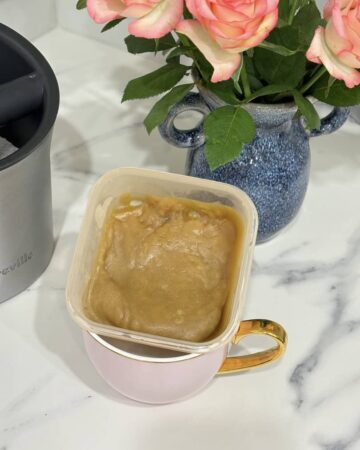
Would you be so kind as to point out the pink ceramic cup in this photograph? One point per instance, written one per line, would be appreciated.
(155, 375)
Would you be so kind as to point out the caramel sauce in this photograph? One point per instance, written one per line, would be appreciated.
(165, 266)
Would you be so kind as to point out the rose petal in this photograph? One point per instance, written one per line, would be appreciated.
(331, 4)
(319, 52)
(226, 14)
(192, 7)
(136, 10)
(203, 9)
(224, 63)
(272, 5)
(102, 11)
(259, 36)
(336, 42)
(337, 20)
(162, 19)
(349, 59)
(236, 25)
(353, 32)
(237, 33)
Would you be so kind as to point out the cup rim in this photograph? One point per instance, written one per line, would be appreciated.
(148, 359)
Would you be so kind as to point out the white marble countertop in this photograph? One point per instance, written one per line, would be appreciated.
(307, 279)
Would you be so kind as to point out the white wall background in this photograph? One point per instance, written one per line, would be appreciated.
(31, 18)
(79, 22)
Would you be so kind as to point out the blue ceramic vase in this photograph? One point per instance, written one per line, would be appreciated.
(273, 170)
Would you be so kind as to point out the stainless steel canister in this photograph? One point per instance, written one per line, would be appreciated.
(26, 229)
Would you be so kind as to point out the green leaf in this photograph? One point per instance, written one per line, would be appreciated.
(331, 81)
(112, 24)
(250, 52)
(308, 16)
(236, 76)
(284, 11)
(226, 130)
(81, 4)
(306, 21)
(175, 54)
(154, 83)
(159, 111)
(295, 6)
(303, 3)
(307, 109)
(253, 74)
(277, 69)
(279, 49)
(255, 83)
(287, 37)
(187, 13)
(184, 40)
(137, 45)
(337, 95)
(204, 67)
(201, 63)
(224, 90)
(178, 51)
(268, 90)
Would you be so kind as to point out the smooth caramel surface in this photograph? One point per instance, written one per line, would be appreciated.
(165, 267)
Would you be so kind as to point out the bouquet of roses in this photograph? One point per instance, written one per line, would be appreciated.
(271, 51)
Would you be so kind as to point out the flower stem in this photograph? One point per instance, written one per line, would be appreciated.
(318, 74)
(245, 81)
(293, 9)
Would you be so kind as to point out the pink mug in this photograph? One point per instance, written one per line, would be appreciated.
(155, 375)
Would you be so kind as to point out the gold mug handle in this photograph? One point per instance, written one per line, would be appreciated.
(259, 326)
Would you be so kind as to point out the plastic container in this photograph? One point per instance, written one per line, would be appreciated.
(140, 182)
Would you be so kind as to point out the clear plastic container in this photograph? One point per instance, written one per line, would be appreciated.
(148, 182)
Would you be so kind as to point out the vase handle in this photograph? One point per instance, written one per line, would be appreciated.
(332, 122)
(192, 138)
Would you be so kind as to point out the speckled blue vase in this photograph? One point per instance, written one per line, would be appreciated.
(273, 170)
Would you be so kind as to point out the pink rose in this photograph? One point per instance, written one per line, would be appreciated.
(337, 46)
(155, 18)
(225, 28)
